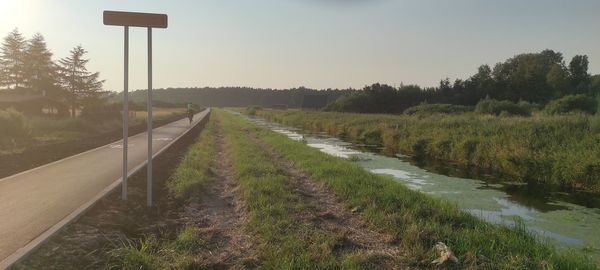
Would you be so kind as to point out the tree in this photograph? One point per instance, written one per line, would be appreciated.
(39, 70)
(557, 78)
(11, 59)
(580, 79)
(83, 87)
(524, 77)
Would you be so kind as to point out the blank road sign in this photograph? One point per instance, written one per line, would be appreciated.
(135, 19)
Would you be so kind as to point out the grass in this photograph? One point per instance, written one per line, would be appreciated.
(191, 176)
(418, 221)
(47, 130)
(194, 171)
(153, 253)
(285, 243)
(557, 151)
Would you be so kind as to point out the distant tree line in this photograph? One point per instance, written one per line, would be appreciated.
(532, 78)
(237, 96)
(26, 67)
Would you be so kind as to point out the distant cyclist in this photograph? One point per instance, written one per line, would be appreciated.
(190, 112)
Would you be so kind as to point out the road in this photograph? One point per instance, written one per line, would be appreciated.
(33, 204)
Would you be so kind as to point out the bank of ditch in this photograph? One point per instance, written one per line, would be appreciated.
(300, 226)
(418, 221)
(556, 152)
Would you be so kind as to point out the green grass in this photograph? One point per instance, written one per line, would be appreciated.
(194, 171)
(418, 221)
(152, 252)
(187, 182)
(558, 151)
(284, 241)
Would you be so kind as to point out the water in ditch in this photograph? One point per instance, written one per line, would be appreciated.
(563, 218)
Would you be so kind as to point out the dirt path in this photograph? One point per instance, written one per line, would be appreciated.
(329, 214)
(219, 214)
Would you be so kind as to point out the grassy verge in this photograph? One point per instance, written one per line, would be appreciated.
(551, 150)
(191, 176)
(419, 221)
(194, 173)
(285, 242)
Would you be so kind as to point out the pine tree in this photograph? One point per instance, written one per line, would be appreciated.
(40, 72)
(82, 86)
(11, 60)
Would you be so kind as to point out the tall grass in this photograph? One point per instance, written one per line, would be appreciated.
(152, 253)
(15, 130)
(14, 125)
(553, 150)
(418, 221)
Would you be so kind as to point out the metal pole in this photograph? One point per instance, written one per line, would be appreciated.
(125, 114)
(149, 180)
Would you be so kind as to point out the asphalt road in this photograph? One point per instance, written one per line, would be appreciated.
(32, 202)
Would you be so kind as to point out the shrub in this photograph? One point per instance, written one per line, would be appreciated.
(14, 124)
(99, 113)
(251, 110)
(437, 108)
(504, 107)
(572, 103)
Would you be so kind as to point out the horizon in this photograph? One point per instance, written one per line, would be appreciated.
(274, 45)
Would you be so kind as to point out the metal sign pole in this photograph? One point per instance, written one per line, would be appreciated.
(125, 114)
(149, 21)
(149, 180)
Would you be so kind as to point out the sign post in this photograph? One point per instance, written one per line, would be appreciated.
(149, 21)
(125, 114)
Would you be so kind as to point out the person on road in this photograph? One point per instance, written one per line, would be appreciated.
(190, 113)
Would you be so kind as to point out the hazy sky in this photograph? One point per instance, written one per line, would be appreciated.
(312, 43)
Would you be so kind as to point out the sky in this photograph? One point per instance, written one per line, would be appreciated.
(312, 43)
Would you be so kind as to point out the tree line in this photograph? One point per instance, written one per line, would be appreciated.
(534, 78)
(238, 96)
(26, 67)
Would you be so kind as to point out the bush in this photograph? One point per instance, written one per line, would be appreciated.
(14, 125)
(572, 103)
(502, 107)
(437, 108)
(99, 113)
(251, 110)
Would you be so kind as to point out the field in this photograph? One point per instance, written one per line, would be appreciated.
(555, 151)
(48, 139)
(48, 131)
(255, 198)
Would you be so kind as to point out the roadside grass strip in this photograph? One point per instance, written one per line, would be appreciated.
(194, 171)
(416, 220)
(286, 240)
(162, 251)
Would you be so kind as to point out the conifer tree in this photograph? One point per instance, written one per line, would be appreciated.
(81, 85)
(40, 72)
(11, 60)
